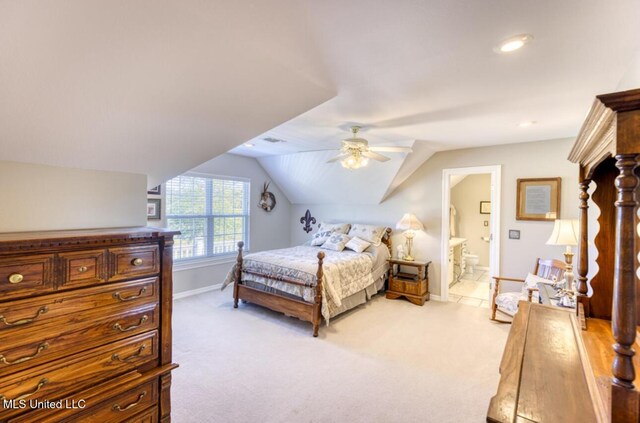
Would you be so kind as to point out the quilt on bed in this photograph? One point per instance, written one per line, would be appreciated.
(345, 273)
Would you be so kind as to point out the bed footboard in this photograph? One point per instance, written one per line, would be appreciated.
(310, 312)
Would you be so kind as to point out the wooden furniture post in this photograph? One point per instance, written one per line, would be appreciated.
(624, 282)
(238, 275)
(583, 247)
(317, 306)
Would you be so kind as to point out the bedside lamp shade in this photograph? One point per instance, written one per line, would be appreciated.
(409, 223)
(565, 232)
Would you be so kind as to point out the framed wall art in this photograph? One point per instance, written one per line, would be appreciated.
(485, 207)
(538, 199)
(153, 209)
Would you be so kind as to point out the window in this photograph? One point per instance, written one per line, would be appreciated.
(211, 212)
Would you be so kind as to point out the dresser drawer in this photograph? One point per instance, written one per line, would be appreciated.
(396, 285)
(82, 268)
(132, 262)
(408, 287)
(26, 275)
(124, 406)
(66, 307)
(37, 346)
(53, 381)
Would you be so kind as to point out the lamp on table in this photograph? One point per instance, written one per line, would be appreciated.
(565, 232)
(409, 223)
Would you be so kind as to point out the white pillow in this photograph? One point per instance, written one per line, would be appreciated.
(371, 233)
(336, 241)
(320, 237)
(358, 245)
(531, 280)
(342, 228)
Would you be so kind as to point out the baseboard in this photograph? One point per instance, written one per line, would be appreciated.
(197, 291)
(485, 268)
(435, 297)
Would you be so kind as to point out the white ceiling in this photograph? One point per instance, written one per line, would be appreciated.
(425, 70)
(160, 86)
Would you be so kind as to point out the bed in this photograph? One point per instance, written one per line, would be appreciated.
(310, 282)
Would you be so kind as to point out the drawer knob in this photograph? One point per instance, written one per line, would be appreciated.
(136, 261)
(15, 278)
(82, 269)
(117, 407)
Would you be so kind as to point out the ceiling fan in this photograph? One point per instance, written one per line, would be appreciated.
(355, 152)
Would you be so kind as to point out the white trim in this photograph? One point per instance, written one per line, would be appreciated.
(197, 291)
(434, 297)
(496, 197)
(179, 266)
(216, 176)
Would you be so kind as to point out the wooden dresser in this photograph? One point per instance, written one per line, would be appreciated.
(85, 326)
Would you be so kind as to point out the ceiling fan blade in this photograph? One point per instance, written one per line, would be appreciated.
(392, 149)
(375, 156)
(338, 157)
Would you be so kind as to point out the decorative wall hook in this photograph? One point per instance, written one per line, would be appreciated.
(267, 199)
(307, 220)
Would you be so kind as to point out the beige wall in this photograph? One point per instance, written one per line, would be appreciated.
(266, 230)
(38, 197)
(422, 195)
(466, 197)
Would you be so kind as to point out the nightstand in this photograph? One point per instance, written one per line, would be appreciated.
(414, 287)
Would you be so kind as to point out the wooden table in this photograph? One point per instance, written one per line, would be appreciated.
(413, 286)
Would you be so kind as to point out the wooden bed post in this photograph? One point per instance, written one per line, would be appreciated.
(317, 306)
(583, 264)
(238, 274)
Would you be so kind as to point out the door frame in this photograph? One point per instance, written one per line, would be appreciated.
(494, 243)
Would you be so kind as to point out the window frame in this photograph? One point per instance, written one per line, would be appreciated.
(201, 261)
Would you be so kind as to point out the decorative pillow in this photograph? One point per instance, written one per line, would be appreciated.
(531, 280)
(336, 241)
(342, 228)
(320, 237)
(358, 245)
(370, 233)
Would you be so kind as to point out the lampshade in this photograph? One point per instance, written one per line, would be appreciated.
(409, 222)
(565, 232)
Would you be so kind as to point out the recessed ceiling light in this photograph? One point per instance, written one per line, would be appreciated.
(248, 144)
(527, 123)
(514, 43)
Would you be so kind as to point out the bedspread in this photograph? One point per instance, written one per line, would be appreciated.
(345, 273)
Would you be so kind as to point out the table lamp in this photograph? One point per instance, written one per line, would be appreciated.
(565, 232)
(409, 223)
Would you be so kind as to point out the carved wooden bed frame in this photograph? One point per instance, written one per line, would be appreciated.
(310, 312)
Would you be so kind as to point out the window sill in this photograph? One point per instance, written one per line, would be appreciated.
(203, 262)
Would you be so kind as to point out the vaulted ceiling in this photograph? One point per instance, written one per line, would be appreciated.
(159, 86)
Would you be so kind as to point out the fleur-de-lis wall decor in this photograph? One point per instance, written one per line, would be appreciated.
(307, 220)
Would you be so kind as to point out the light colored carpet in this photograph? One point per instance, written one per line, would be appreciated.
(386, 361)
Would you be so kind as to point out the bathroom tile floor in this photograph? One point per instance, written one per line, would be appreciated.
(472, 289)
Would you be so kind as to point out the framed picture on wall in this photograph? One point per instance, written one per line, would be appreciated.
(485, 207)
(538, 199)
(155, 190)
(153, 209)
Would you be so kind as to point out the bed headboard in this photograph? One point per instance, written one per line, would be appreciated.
(387, 241)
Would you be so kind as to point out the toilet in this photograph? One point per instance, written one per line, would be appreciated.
(471, 260)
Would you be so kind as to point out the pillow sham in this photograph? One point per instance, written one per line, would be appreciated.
(342, 228)
(336, 241)
(356, 244)
(370, 233)
(320, 237)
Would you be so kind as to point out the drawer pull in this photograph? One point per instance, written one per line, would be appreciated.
(15, 278)
(21, 322)
(132, 327)
(136, 261)
(116, 407)
(41, 348)
(28, 394)
(137, 354)
(82, 269)
(119, 296)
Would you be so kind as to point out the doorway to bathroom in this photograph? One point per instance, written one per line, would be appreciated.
(470, 233)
